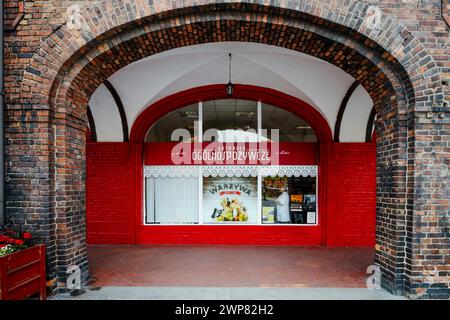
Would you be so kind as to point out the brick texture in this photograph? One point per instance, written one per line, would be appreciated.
(351, 195)
(51, 71)
(109, 196)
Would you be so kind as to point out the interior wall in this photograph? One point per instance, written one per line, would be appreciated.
(351, 194)
(109, 194)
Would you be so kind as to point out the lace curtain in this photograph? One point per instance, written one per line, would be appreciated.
(230, 171)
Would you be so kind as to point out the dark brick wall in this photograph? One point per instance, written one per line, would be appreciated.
(51, 72)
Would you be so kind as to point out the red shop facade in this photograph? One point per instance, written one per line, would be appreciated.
(303, 190)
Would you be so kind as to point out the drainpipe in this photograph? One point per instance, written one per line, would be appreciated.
(2, 95)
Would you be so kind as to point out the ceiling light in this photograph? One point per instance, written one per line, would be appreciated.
(189, 114)
(244, 114)
(229, 87)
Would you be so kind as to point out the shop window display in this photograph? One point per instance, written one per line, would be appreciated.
(234, 193)
(172, 200)
(230, 200)
(289, 200)
(231, 195)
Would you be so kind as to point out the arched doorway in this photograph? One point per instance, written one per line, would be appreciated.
(403, 95)
(299, 158)
(162, 186)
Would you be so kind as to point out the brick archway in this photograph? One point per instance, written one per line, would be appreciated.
(390, 63)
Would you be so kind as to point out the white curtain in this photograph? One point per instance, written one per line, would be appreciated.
(172, 200)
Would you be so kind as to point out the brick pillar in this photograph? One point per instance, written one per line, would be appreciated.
(413, 217)
(428, 264)
(45, 185)
(29, 177)
(391, 208)
(70, 195)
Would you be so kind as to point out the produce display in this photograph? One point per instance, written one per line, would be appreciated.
(231, 211)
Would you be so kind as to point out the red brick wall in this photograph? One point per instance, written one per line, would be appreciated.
(109, 194)
(351, 195)
(350, 203)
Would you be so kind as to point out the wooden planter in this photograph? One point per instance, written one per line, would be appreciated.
(22, 274)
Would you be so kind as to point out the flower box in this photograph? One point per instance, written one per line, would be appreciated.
(22, 274)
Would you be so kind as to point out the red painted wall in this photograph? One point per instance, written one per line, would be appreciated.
(351, 194)
(230, 235)
(349, 213)
(109, 194)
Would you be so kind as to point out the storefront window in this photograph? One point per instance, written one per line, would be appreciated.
(243, 189)
(183, 118)
(291, 128)
(172, 200)
(230, 200)
(289, 200)
(231, 195)
(232, 119)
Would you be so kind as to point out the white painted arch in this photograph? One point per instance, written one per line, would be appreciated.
(146, 81)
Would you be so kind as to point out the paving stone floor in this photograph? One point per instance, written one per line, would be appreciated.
(229, 266)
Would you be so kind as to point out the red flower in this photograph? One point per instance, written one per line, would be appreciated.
(19, 242)
(26, 235)
(8, 240)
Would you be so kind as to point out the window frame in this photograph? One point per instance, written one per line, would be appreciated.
(259, 186)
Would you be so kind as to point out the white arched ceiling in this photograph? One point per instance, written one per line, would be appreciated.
(108, 124)
(358, 107)
(144, 82)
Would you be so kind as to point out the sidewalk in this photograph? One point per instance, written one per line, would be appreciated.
(227, 293)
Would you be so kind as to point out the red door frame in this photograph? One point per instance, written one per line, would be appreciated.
(212, 92)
